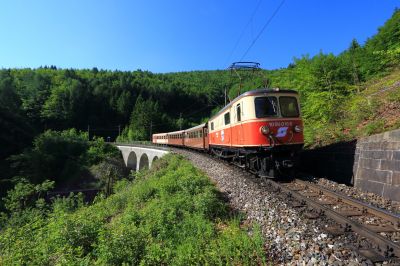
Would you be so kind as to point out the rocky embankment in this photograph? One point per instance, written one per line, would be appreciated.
(289, 238)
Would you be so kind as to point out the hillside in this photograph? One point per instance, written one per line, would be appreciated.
(375, 109)
(337, 97)
(171, 215)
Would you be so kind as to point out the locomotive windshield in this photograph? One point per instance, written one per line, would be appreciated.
(289, 107)
(266, 106)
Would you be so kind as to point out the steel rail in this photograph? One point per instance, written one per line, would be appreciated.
(395, 219)
(385, 246)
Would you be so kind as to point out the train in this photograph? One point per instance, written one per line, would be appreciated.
(260, 130)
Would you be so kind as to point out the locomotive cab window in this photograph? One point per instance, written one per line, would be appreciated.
(212, 125)
(289, 106)
(266, 106)
(227, 118)
(238, 113)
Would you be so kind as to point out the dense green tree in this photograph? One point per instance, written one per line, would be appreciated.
(145, 115)
(9, 98)
(61, 156)
(32, 101)
(66, 103)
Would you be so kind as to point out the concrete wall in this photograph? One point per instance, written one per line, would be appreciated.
(377, 164)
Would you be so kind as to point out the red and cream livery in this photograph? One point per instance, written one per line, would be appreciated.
(260, 130)
(160, 138)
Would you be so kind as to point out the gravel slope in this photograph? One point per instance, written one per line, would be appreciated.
(290, 239)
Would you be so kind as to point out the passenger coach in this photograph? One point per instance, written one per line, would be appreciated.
(197, 137)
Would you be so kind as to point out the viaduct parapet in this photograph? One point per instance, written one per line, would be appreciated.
(138, 157)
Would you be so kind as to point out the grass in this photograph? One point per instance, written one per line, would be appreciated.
(375, 109)
(170, 215)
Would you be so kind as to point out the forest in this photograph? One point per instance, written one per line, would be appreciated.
(39, 107)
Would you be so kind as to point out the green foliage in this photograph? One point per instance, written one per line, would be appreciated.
(99, 150)
(15, 129)
(145, 114)
(25, 195)
(55, 156)
(108, 172)
(61, 156)
(24, 203)
(374, 127)
(66, 102)
(141, 102)
(171, 215)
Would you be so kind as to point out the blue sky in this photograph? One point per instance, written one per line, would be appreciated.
(179, 35)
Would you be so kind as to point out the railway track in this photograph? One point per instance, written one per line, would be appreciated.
(379, 228)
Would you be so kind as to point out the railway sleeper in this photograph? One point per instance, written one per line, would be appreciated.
(335, 230)
(371, 254)
(385, 247)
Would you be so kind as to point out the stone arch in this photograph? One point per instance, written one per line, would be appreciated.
(132, 161)
(154, 159)
(144, 162)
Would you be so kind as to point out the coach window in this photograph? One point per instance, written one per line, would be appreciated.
(212, 125)
(238, 113)
(227, 118)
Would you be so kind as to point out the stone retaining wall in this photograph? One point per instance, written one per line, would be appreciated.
(377, 164)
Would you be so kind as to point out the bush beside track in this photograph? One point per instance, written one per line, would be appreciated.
(170, 215)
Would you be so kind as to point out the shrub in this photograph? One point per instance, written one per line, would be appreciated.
(169, 215)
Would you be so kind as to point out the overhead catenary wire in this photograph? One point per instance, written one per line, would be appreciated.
(263, 29)
(243, 31)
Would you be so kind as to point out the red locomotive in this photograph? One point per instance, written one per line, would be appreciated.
(260, 130)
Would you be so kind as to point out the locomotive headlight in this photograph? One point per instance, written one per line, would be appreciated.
(264, 130)
(297, 129)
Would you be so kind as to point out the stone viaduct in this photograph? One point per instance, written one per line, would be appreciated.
(137, 157)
